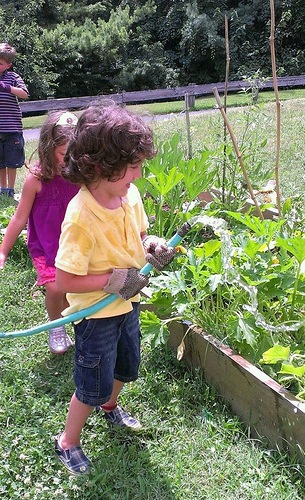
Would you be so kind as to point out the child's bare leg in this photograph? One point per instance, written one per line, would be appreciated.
(77, 416)
(3, 177)
(117, 387)
(55, 300)
(115, 414)
(11, 177)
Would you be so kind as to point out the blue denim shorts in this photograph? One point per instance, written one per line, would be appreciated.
(105, 349)
(11, 150)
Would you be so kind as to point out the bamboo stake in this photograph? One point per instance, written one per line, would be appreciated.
(239, 155)
(278, 109)
(188, 127)
(225, 108)
(227, 62)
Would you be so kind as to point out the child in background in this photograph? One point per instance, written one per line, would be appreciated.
(44, 199)
(11, 133)
(101, 250)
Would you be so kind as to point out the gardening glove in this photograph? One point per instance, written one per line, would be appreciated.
(5, 87)
(125, 283)
(158, 253)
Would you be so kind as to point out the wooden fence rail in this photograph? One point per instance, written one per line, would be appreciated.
(169, 94)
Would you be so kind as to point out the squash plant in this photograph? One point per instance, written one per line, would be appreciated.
(242, 279)
(170, 186)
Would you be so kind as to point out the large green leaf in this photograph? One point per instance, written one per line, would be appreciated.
(275, 354)
(164, 183)
(153, 329)
(295, 246)
(289, 369)
(210, 247)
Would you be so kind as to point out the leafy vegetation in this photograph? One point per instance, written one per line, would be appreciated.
(186, 440)
(242, 278)
(87, 47)
(171, 183)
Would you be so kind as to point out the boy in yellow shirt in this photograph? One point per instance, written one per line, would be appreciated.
(102, 248)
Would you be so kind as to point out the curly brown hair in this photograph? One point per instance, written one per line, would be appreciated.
(107, 138)
(52, 135)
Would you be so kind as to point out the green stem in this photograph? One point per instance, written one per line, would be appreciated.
(160, 221)
(295, 292)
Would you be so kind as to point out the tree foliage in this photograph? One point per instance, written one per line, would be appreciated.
(87, 47)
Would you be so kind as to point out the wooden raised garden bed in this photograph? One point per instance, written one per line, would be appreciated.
(268, 410)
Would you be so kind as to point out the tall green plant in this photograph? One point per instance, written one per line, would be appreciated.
(246, 286)
(170, 186)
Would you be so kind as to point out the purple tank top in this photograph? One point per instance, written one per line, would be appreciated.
(47, 214)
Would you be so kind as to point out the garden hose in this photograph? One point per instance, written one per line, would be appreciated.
(71, 318)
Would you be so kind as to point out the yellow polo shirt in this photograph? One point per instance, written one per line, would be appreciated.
(95, 240)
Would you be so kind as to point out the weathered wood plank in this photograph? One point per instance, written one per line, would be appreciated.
(270, 412)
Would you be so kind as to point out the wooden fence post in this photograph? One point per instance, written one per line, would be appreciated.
(191, 96)
(188, 127)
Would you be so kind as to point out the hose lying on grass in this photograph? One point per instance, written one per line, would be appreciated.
(182, 231)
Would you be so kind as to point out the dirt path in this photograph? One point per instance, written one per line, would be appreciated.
(31, 134)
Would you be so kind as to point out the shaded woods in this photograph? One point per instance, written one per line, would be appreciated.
(85, 47)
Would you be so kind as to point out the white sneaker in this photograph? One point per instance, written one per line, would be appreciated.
(69, 342)
(59, 340)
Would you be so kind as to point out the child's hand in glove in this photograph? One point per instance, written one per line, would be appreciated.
(126, 283)
(158, 253)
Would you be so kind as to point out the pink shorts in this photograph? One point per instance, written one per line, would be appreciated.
(45, 274)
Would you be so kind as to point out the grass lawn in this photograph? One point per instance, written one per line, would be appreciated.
(207, 130)
(201, 103)
(191, 447)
